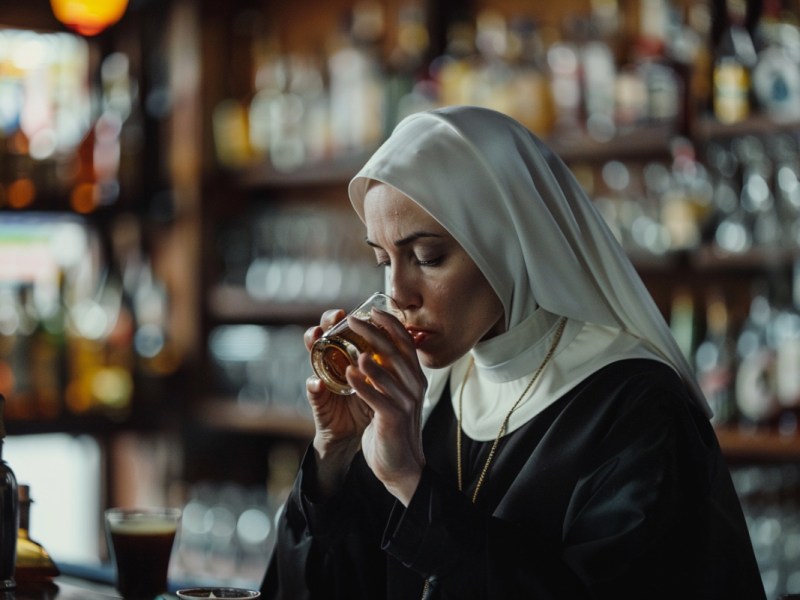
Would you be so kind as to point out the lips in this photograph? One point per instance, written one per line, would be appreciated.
(418, 335)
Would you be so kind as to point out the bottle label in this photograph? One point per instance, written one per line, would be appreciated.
(731, 88)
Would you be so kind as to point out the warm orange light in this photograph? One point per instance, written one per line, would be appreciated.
(21, 193)
(88, 17)
(83, 198)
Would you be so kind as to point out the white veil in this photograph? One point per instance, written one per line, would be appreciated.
(523, 218)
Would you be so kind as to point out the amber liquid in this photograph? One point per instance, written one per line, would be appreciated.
(142, 552)
(340, 347)
(332, 354)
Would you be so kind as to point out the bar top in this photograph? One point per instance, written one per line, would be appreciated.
(67, 587)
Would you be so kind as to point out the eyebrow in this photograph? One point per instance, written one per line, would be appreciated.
(408, 239)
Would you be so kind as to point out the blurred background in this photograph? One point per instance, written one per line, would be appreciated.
(173, 214)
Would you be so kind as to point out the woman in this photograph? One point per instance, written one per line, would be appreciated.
(531, 430)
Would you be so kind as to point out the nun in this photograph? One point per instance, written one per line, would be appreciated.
(530, 430)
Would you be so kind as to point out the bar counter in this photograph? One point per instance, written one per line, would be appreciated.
(68, 587)
(65, 587)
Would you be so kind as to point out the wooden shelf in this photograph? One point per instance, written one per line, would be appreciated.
(646, 140)
(641, 142)
(707, 129)
(225, 414)
(707, 259)
(232, 303)
(337, 170)
(758, 444)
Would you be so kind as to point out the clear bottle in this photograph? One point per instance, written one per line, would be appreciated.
(33, 562)
(787, 356)
(9, 515)
(714, 361)
(756, 396)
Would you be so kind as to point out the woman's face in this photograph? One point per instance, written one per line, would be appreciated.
(448, 303)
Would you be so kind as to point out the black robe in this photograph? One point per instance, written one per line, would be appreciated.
(618, 490)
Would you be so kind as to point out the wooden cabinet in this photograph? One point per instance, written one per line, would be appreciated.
(239, 200)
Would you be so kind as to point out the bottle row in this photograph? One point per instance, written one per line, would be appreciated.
(591, 75)
(66, 143)
(770, 497)
(79, 322)
(748, 370)
(228, 530)
(298, 254)
(732, 195)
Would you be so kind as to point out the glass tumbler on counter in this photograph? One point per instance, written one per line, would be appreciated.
(339, 347)
(141, 540)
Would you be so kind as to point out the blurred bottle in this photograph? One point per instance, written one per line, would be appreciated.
(756, 196)
(682, 321)
(714, 360)
(33, 561)
(405, 63)
(776, 78)
(700, 89)
(735, 57)
(599, 76)
(755, 381)
(456, 69)
(787, 356)
(532, 103)
(46, 357)
(15, 380)
(9, 515)
(687, 205)
(357, 81)
(21, 189)
(100, 342)
(565, 83)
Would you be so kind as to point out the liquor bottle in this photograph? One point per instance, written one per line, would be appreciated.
(714, 361)
(735, 57)
(787, 356)
(33, 562)
(682, 320)
(9, 515)
(756, 398)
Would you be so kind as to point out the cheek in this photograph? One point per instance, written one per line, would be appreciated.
(475, 305)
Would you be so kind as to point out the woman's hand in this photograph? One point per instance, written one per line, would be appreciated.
(391, 383)
(339, 421)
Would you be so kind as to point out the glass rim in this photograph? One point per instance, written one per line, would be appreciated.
(133, 512)
(243, 592)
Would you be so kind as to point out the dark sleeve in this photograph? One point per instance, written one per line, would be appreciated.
(330, 549)
(655, 513)
(440, 536)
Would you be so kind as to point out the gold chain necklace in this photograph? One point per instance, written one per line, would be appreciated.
(504, 425)
(561, 325)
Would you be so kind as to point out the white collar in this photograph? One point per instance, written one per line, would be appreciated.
(583, 349)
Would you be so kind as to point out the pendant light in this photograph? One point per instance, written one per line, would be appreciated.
(88, 17)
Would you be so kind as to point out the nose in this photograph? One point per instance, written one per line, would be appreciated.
(403, 289)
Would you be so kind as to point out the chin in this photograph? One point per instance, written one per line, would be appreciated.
(435, 361)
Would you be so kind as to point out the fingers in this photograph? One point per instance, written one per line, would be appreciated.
(328, 319)
(391, 325)
(393, 356)
(314, 386)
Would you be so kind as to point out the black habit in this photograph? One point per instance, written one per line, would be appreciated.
(616, 491)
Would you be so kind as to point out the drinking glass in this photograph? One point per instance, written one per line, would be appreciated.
(141, 541)
(339, 347)
(217, 592)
